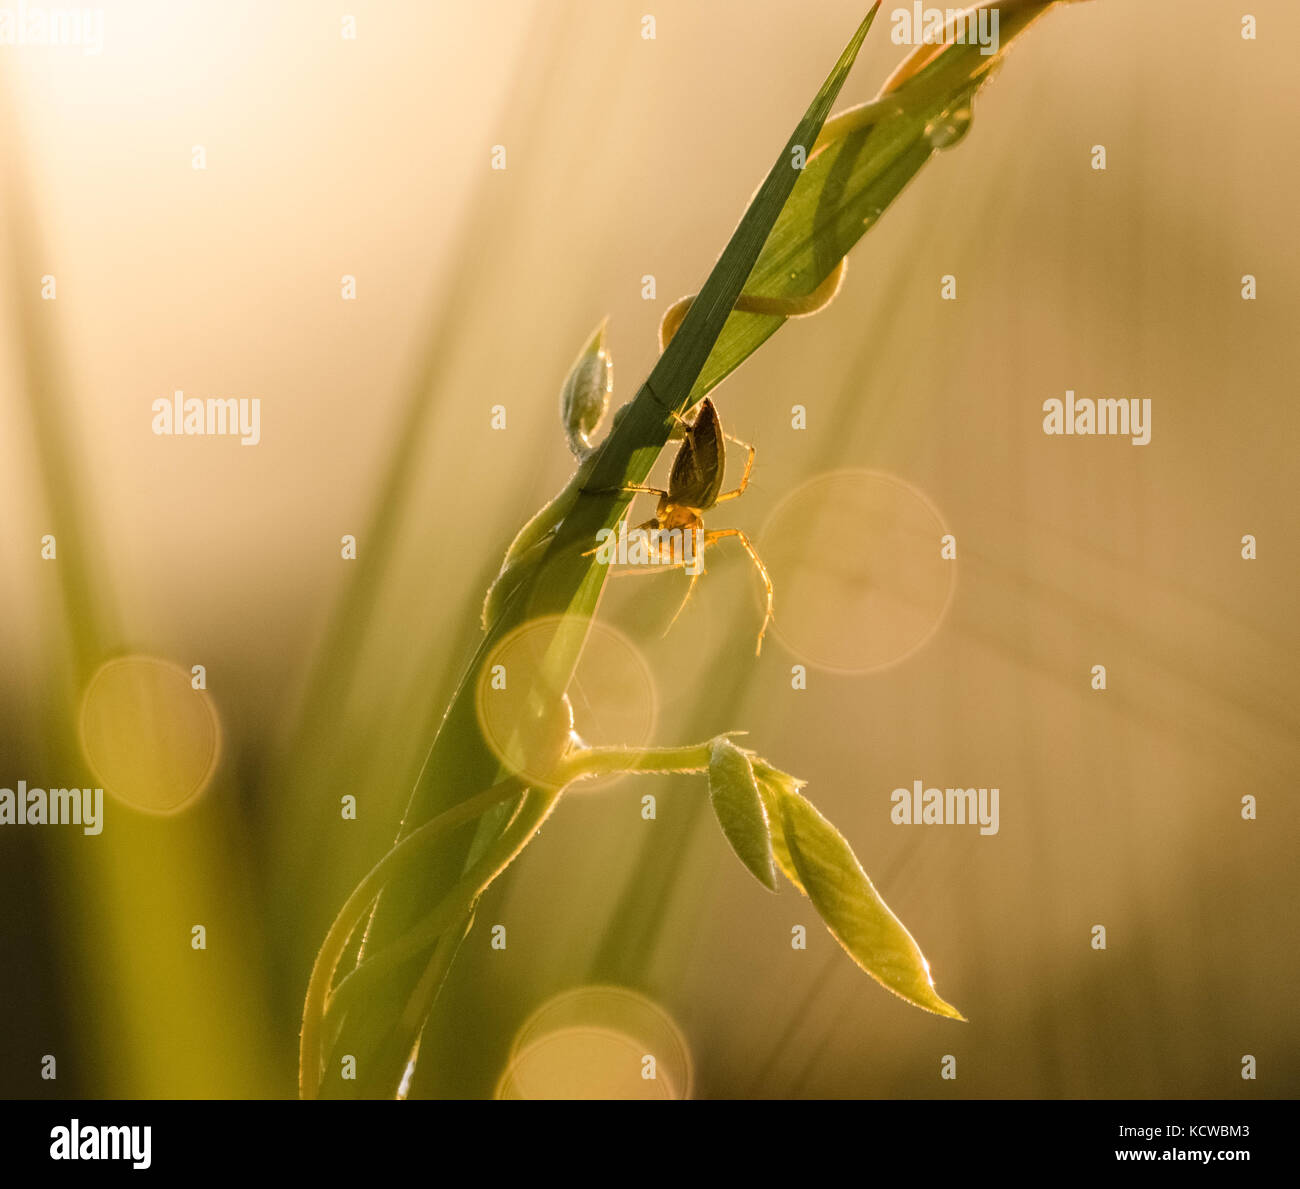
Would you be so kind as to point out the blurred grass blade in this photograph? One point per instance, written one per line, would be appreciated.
(734, 795)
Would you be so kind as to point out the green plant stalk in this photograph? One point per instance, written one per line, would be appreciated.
(563, 583)
(546, 572)
(407, 854)
(764, 817)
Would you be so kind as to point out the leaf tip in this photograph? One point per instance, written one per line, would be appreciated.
(948, 1011)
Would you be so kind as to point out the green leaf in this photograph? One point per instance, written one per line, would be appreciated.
(773, 787)
(738, 806)
(830, 875)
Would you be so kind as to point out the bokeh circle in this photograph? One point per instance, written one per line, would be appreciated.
(856, 557)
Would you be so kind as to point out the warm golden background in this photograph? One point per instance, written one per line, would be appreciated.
(625, 157)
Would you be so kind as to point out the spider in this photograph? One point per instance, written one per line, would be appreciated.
(694, 486)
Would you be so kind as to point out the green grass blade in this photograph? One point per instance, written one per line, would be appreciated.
(867, 156)
(562, 583)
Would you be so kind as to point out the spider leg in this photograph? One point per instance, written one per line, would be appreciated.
(744, 478)
(653, 526)
(686, 598)
(695, 577)
(680, 562)
(652, 523)
(634, 487)
(636, 571)
(716, 535)
(680, 424)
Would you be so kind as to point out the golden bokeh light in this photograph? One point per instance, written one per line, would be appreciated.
(598, 1042)
(148, 735)
(857, 557)
(613, 696)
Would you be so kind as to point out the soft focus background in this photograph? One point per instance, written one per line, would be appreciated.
(475, 288)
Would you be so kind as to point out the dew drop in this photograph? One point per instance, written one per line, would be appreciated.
(948, 128)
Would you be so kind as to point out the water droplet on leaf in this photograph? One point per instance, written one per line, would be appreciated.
(947, 129)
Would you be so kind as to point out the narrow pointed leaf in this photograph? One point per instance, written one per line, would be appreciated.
(852, 908)
(773, 786)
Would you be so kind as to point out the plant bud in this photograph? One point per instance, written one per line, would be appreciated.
(584, 398)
